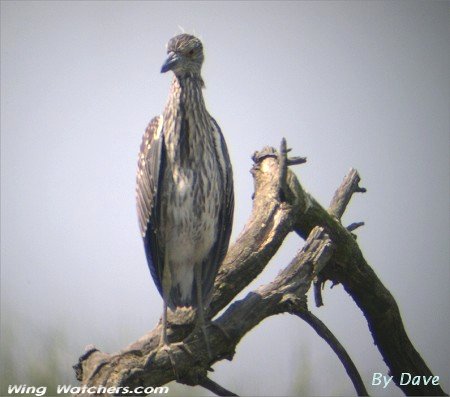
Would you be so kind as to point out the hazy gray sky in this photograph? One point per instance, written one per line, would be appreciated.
(349, 84)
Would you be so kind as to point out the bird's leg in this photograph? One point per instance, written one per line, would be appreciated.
(164, 341)
(165, 295)
(200, 309)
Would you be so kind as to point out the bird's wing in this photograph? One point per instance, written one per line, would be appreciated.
(151, 164)
(226, 209)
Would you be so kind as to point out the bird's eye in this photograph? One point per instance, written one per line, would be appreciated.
(191, 52)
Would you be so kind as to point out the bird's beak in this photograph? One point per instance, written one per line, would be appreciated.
(171, 61)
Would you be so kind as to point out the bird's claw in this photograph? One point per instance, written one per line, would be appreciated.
(165, 347)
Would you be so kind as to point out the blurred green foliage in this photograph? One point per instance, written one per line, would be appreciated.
(41, 363)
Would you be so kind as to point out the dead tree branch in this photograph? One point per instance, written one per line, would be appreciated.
(349, 267)
(189, 361)
(215, 388)
(344, 193)
(323, 331)
(280, 206)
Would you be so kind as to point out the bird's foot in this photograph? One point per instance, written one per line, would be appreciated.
(169, 350)
(182, 346)
(165, 347)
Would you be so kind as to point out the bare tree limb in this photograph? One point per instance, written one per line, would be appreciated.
(286, 194)
(318, 286)
(354, 226)
(323, 331)
(322, 251)
(349, 267)
(189, 362)
(344, 193)
(212, 386)
(285, 294)
(143, 363)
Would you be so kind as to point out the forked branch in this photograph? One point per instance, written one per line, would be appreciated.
(331, 253)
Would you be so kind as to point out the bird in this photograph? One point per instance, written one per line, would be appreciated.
(184, 189)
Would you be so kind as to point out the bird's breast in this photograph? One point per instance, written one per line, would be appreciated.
(191, 205)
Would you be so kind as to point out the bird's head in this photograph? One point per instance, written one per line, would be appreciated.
(185, 55)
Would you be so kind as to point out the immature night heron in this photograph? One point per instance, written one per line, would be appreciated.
(184, 189)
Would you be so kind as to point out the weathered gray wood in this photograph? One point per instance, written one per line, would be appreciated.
(273, 216)
(189, 362)
(349, 267)
(345, 192)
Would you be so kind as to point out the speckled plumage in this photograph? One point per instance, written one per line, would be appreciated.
(184, 186)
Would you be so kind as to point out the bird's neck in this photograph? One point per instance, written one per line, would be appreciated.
(186, 91)
(185, 118)
(186, 103)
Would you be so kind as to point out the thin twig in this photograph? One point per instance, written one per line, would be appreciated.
(354, 226)
(324, 332)
(296, 160)
(317, 287)
(215, 388)
(344, 193)
(282, 169)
